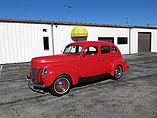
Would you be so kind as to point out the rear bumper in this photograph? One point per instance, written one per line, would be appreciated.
(33, 84)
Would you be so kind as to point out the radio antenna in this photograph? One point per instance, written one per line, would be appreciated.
(68, 7)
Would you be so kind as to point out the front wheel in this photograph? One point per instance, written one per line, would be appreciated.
(118, 72)
(61, 85)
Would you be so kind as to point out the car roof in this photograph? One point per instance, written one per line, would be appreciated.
(83, 43)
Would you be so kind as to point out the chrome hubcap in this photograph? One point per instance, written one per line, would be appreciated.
(62, 85)
(118, 72)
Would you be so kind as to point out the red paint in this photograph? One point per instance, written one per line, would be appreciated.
(78, 65)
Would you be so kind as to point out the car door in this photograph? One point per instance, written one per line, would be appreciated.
(106, 59)
(90, 62)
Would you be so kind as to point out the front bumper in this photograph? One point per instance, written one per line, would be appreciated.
(33, 85)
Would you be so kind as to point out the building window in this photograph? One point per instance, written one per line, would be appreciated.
(44, 30)
(122, 40)
(105, 49)
(108, 39)
(46, 43)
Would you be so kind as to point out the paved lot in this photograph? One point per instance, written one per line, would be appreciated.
(134, 96)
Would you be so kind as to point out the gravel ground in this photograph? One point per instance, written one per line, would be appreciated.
(133, 96)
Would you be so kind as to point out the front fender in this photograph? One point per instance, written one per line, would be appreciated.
(54, 71)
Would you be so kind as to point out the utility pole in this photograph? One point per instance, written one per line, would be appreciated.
(68, 7)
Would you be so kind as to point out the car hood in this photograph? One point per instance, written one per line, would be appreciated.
(54, 58)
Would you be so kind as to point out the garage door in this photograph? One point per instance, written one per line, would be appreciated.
(108, 39)
(144, 42)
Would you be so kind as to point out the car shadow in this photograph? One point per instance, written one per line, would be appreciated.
(92, 80)
(82, 82)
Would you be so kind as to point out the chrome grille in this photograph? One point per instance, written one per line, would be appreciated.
(34, 73)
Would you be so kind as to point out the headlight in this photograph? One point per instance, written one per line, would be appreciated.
(44, 73)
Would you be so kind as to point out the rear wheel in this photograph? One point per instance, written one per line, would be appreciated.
(118, 72)
(61, 85)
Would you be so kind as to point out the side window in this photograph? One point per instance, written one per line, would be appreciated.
(92, 50)
(114, 50)
(105, 49)
(72, 49)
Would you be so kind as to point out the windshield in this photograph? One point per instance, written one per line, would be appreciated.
(72, 49)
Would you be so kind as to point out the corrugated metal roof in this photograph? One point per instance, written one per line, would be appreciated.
(72, 23)
(25, 21)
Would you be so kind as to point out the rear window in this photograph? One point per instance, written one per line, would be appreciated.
(114, 49)
(105, 49)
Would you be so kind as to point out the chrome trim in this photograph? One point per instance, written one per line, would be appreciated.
(27, 78)
(34, 72)
(33, 83)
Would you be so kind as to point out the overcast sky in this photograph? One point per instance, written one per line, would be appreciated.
(138, 12)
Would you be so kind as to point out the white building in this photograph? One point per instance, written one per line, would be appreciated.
(21, 40)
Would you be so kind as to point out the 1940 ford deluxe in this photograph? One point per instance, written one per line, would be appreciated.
(79, 60)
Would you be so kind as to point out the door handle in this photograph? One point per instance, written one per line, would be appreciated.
(102, 59)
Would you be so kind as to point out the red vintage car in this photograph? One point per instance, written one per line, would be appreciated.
(79, 60)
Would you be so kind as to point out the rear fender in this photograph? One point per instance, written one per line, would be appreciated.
(120, 62)
(55, 71)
